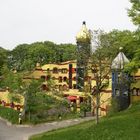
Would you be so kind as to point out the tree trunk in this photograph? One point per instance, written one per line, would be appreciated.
(97, 107)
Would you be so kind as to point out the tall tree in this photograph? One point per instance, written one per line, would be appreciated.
(134, 12)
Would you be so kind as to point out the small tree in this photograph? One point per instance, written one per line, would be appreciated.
(100, 67)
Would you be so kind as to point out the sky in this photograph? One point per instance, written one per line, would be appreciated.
(28, 21)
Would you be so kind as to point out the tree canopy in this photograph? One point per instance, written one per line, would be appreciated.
(134, 12)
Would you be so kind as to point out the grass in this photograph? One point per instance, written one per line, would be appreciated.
(121, 126)
(9, 114)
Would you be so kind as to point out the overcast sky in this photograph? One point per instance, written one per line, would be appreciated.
(28, 21)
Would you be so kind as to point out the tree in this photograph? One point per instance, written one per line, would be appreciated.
(3, 58)
(133, 66)
(101, 62)
(25, 56)
(134, 12)
(11, 80)
(30, 93)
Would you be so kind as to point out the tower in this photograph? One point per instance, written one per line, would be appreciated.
(83, 40)
(120, 81)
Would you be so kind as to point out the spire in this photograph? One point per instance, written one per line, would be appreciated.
(83, 35)
(120, 60)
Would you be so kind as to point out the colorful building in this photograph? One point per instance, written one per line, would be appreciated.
(77, 81)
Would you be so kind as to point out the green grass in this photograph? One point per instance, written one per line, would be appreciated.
(9, 114)
(121, 126)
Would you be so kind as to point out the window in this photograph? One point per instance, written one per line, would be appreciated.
(60, 88)
(64, 70)
(65, 79)
(48, 77)
(55, 70)
(125, 93)
(134, 91)
(60, 79)
(74, 78)
(117, 92)
(138, 92)
(74, 86)
(65, 87)
(43, 78)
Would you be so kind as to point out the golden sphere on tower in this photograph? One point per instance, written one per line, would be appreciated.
(84, 35)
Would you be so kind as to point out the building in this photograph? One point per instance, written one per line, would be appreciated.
(76, 78)
(120, 81)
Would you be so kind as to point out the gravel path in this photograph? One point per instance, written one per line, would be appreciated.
(23, 132)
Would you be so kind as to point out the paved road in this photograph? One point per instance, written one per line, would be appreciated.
(20, 132)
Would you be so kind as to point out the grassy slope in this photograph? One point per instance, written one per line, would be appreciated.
(9, 114)
(122, 126)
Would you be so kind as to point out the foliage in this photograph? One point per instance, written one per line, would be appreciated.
(9, 114)
(133, 66)
(85, 107)
(25, 56)
(3, 58)
(124, 125)
(101, 62)
(11, 80)
(134, 12)
(114, 108)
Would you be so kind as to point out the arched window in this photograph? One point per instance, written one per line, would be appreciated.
(134, 91)
(60, 79)
(64, 70)
(65, 87)
(138, 92)
(48, 77)
(117, 92)
(74, 78)
(65, 79)
(55, 70)
(43, 78)
(60, 88)
(74, 86)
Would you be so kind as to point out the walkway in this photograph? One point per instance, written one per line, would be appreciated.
(21, 132)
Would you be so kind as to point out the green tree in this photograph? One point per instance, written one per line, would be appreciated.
(3, 57)
(101, 62)
(134, 12)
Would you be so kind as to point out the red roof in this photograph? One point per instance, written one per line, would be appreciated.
(72, 98)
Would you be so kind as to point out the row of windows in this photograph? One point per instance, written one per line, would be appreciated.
(63, 70)
(135, 92)
(64, 87)
(63, 79)
(117, 92)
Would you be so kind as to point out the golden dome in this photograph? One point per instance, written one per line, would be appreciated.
(84, 35)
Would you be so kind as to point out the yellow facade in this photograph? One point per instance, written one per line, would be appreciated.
(4, 98)
(59, 73)
(135, 87)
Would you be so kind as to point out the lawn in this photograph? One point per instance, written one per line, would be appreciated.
(9, 114)
(121, 126)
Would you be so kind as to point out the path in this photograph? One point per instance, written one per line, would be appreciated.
(21, 132)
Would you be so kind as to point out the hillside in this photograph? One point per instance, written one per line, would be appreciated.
(121, 126)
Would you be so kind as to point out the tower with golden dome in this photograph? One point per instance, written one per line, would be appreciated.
(83, 40)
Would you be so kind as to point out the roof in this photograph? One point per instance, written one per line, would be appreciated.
(84, 34)
(59, 65)
(119, 61)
